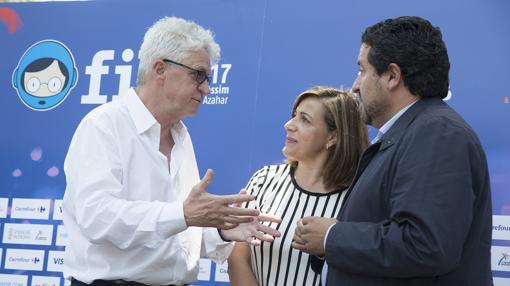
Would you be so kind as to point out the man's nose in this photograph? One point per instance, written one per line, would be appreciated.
(204, 88)
(355, 85)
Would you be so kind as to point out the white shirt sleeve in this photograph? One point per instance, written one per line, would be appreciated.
(96, 196)
(214, 247)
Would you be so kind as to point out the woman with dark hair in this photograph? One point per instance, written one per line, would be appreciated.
(325, 139)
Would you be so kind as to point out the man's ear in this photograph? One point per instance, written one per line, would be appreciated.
(159, 68)
(394, 76)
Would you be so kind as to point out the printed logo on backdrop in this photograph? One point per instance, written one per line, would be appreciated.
(504, 260)
(45, 281)
(102, 67)
(24, 259)
(30, 208)
(56, 261)
(221, 274)
(61, 236)
(3, 207)
(501, 227)
(219, 85)
(57, 210)
(34, 234)
(204, 273)
(13, 280)
(45, 75)
(500, 258)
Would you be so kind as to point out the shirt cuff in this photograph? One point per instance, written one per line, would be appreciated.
(172, 219)
(215, 247)
(324, 242)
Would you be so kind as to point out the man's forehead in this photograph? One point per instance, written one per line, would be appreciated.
(363, 52)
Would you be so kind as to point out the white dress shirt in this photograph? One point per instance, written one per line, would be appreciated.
(123, 205)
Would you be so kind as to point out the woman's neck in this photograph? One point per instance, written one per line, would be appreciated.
(310, 178)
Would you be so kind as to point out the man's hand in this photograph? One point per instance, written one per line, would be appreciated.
(207, 210)
(254, 232)
(310, 233)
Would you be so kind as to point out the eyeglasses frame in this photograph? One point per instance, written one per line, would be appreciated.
(196, 72)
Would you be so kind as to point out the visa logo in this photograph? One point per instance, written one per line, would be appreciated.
(58, 261)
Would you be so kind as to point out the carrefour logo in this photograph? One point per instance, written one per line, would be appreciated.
(501, 227)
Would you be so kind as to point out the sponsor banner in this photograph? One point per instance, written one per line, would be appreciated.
(221, 272)
(56, 261)
(501, 227)
(45, 281)
(500, 258)
(13, 280)
(204, 273)
(3, 207)
(61, 236)
(57, 210)
(30, 208)
(35, 234)
(24, 259)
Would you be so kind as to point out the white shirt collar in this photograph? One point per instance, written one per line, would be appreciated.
(143, 118)
(395, 117)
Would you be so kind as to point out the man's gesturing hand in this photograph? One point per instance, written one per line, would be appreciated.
(207, 210)
(310, 233)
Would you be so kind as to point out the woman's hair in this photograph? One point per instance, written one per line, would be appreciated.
(174, 38)
(341, 114)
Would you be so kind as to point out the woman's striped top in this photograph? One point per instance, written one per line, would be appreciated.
(278, 194)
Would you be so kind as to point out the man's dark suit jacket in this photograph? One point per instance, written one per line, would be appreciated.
(419, 210)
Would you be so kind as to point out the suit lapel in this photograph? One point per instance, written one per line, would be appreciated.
(387, 140)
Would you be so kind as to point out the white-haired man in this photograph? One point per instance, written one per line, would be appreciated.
(135, 209)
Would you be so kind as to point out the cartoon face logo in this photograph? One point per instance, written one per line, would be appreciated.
(45, 75)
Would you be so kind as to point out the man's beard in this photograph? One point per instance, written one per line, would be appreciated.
(365, 116)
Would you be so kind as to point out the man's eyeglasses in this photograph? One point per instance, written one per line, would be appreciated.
(200, 76)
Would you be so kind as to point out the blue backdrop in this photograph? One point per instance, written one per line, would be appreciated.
(271, 51)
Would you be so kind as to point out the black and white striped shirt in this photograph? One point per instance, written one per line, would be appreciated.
(278, 194)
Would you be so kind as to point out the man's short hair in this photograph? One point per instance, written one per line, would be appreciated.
(416, 47)
(174, 38)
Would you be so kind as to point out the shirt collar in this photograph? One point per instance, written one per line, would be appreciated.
(141, 116)
(144, 120)
(392, 120)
